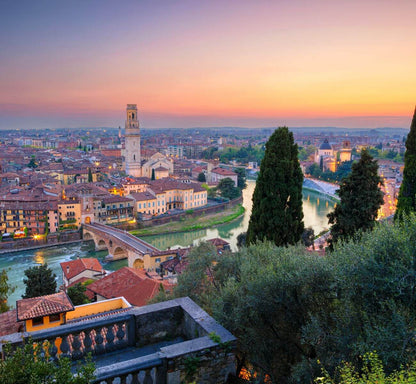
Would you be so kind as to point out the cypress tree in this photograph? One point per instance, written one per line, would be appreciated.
(277, 200)
(361, 197)
(406, 201)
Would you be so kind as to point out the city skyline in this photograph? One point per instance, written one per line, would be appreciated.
(201, 64)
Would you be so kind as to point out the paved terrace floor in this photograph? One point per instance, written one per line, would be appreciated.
(131, 353)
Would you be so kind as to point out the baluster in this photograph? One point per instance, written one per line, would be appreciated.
(135, 378)
(99, 347)
(148, 378)
(110, 339)
(76, 347)
(120, 335)
(65, 347)
(53, 350)
(87, 341)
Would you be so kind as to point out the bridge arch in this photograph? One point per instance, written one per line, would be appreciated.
(138, 263)
(120, 253)
(87, 236)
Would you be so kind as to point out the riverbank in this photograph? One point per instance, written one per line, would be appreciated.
(187, 224)
(40, 246)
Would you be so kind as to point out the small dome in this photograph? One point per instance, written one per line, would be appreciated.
(325, 145)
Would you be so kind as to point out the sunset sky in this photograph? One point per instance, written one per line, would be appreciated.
(248, 63)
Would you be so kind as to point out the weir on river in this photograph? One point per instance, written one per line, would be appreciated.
(315, 208)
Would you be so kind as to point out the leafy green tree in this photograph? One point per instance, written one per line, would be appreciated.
(406, 201)
(5, 291)
(266, 301)
(29, 365)
(241, 177)
(308, 237)
(32, 163)
(39, 281)
(361, 197)
(197, 280)
(314, 170)
(277, 200)
(371, 372)
(201, 177)
(77, 294)
(89, 175)
(375, 278)
(228, 189)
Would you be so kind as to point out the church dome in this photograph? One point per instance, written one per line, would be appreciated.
(325, 145)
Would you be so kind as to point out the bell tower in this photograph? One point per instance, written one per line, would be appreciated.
(132, 142)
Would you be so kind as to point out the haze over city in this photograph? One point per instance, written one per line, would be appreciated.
(211, 63)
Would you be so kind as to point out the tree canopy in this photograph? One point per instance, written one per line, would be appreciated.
(5, 291)
(201, 177)
(39, 281)
(406, 201)
(360, 198)
(228, 189)
(277, 200)
(21, 367)
(77, 294)
(290, 308)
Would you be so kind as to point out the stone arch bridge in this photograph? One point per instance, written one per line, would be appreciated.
(120, 244)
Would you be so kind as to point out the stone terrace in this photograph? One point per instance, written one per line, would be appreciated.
(165, 343)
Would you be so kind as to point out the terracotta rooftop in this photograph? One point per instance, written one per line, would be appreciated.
(75, 267)
(133, 284)
(224, 172)
(43, 306)
(143, 196)
(218, 242)
(8, 323)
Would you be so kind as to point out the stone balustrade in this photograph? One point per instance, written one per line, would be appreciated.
(151, 344)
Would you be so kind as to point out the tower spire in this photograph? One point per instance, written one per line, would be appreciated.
(132, 142)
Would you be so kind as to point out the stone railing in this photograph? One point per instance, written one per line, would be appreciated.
(151, 344)
(76, 340)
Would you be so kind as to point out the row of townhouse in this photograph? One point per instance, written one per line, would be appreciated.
(166, 194)
(37, 218)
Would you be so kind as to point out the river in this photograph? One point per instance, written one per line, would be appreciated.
(315, 209)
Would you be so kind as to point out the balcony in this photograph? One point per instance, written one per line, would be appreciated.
(151, 344)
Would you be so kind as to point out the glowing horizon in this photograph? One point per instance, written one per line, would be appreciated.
(194, 64)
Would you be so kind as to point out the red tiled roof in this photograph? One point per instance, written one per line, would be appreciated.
(218, 242)
(75, 267)
(8, 323)
(224, 172)
(142, 196)
(133, 284)
(43, 306)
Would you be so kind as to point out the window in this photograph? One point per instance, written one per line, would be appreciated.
(54, 318)
(140, 205)
(37, 321)
(157, 260)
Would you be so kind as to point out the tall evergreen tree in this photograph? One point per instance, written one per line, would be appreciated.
(89, 175)
(361, 197)
(40, 281)
(277, 200)
(406, 202)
